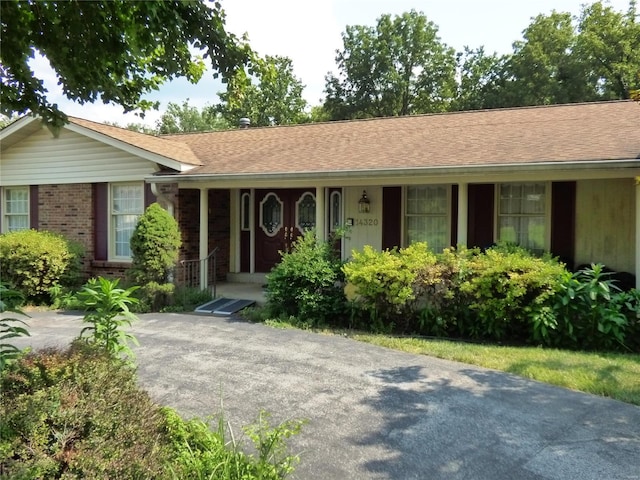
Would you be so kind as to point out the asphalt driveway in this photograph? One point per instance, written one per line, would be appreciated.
(375, 413)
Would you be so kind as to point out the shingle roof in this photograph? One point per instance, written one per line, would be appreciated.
(599, 131)
(169, 148)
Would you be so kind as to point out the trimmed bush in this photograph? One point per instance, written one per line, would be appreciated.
(307, 283)
(155, 245)
(35, 261)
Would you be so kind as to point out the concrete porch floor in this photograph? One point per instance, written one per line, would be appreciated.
(241, 290)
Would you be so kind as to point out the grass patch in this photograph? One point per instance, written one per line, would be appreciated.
(611, 375)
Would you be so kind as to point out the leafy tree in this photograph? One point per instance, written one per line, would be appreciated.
(481, 80)
(116, 51)
(274, 99)
(544, 68)
(609, 44)
(398, 67)
(187, 118)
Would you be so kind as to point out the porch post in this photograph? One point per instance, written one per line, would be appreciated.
(204, 237)
(320, 214)
(463, 212)
(637, 217)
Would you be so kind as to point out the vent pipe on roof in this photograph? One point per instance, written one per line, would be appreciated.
(245, 122)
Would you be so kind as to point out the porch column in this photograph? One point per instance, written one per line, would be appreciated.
(637, 217)
(204, 237)
(463, 212)
(320, 214)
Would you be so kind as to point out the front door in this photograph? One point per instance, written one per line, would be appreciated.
(281, 216)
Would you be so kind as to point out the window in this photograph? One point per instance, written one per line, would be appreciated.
(127, 205)
(16, 208)
(522, 215)
(427, 216)
(246, 212)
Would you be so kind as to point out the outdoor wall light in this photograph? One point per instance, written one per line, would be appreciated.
(364, 205)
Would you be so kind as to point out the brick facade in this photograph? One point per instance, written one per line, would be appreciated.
(219, 226)
(70, 211)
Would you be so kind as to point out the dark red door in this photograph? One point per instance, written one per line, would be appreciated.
(281, 216)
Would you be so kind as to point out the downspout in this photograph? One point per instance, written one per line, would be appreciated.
(159, 195)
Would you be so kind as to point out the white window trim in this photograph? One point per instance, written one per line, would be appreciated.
(245, 212)
(403, 222)
(112, 234)
(547, 210)
(5, 214)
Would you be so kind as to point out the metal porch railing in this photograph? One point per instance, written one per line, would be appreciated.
(191, 270)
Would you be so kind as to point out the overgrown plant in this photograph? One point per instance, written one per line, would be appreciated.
(590, 311)
(307, 283)
(10, 327)
(107, 313)
(382, 283)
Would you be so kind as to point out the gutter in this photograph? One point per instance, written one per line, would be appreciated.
(454, 170)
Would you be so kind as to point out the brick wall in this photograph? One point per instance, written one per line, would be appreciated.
(68, 210)
(219, 226)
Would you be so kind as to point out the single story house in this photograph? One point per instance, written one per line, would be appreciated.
(552, 178)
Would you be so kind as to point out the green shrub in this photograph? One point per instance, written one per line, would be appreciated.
(443, 308)
(155, 297)
(384, 283)
(78, 414)
(34, 261)
(593, 313)
(307, 283)
(155, 245)
(511, 293)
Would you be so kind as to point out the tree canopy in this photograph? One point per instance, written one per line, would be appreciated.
(115, 51)
(401, 67)
(398, 67)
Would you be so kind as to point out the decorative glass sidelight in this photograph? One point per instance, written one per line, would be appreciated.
(335, 211)
(306, 212)
(271, 214)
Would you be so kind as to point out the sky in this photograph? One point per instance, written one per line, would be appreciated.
(309, 32)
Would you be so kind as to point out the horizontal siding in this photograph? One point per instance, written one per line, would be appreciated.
(71, 158)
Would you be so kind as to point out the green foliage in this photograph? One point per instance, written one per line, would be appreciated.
(78, 413)
(34, 261)
(510, 290)
(202, 452)
(272, 95)
(155, 297)
(10, 327)
(155, 245)
(115, 51)
(307, 283)
(398, 67)
(592, 312)
(384, 282)
(107, 312)
(187, 118)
